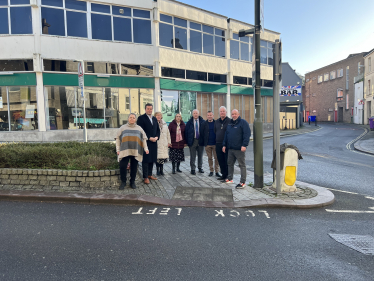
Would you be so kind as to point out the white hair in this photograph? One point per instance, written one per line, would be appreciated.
(196, 110)
(223, 108)
(130, 115)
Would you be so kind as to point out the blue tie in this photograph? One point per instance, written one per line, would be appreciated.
(197, 130)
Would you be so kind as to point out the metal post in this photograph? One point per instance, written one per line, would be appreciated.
(257, 124)
(276, 109)
(84, 117)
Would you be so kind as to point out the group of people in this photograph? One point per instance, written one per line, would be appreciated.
(150, 140)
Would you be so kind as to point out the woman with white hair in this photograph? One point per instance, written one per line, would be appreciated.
(163, 144)
(131, 142)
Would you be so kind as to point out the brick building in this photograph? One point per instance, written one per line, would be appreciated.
(329, 91)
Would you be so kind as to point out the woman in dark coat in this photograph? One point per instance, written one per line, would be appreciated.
(176, 154)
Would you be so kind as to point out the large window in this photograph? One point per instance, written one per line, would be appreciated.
(184, 102)
(173, 33)
(369, 62)
(16, 65)
(18, 111)
(15, 17)
(241, 48)
(107, 22)
(193, 75)
(266, 52)
(105, 107)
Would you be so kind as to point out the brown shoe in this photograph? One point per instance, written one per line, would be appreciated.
(152, 177)
(146, 181)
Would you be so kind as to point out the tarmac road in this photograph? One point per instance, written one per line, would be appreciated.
(46, 241)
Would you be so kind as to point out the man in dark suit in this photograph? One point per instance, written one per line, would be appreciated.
(196, 138)
(150, 126)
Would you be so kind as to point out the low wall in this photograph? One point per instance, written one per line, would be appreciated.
(61, 179)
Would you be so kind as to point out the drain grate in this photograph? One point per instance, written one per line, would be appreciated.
(361, 243)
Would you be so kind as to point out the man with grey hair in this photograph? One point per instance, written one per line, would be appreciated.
(196, 138)
(220, 129)
(236, 140)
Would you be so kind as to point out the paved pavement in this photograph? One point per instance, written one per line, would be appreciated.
(366, 143)
(184, 189)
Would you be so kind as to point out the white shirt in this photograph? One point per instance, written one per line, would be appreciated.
(150, 118)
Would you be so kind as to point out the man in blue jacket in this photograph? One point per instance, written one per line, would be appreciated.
(236, 141)
(196, 138)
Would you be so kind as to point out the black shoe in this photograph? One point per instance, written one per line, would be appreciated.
(220, 178)
(201, 171)
(218, 175)
(161, 169)
(132, 185)
(193, 172)
(178, 165)
(122, 186)
(158, 169)
(211, 174)
(173, 169)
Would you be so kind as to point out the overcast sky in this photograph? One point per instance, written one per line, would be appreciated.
(314, 33)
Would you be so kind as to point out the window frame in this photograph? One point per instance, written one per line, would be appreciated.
(326, 77)
(8, 6)
(250, 47)
(189, 29)
(89, 12)
(332, 75)
(320, 79)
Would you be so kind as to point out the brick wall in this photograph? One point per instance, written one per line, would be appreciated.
(322, 97)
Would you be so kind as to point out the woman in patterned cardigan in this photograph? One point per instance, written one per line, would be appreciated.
(131, 142)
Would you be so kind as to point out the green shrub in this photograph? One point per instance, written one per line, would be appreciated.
(61, 155)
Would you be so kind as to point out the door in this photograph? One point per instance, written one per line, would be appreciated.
(340, 114)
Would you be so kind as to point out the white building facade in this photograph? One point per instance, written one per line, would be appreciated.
(175, 56)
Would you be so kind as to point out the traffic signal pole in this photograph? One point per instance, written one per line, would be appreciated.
(257, 124)
(277, 77)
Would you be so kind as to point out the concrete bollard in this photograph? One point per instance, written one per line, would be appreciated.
(288, 173)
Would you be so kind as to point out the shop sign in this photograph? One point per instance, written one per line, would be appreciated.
(288, 91)
(30, 111)
(76, 112)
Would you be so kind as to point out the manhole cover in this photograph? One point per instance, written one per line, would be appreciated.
(361, 243)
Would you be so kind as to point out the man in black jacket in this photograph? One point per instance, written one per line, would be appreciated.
(196, 138)
(220, 129)
(150, 126)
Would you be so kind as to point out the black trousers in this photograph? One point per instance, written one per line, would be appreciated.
(133, 168)
(147, 169)
(222, 160)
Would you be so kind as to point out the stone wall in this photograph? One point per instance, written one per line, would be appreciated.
(62, 179)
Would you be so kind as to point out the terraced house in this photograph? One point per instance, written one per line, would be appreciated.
(177, 56)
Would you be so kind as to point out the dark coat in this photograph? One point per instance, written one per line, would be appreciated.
(237, 134)
(220, 127)
(206, 132)
(190, 132)
(173, 134)
(151, 131)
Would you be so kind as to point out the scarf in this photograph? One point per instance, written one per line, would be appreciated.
(179, 133)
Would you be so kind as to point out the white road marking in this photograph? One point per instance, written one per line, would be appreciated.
(343, 191)
(348, 146)
(350, 211)
(162, 212)
(266, 213)
(152, 212)
(219, 213)
(237, 214)
(139, 212)
(368, 197)
(249, 211)
(179, 211)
